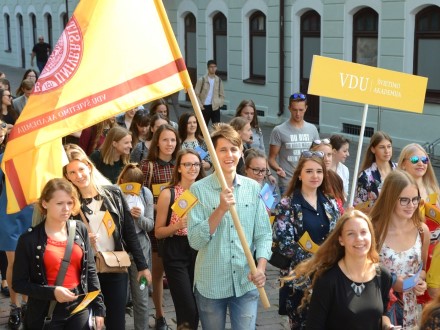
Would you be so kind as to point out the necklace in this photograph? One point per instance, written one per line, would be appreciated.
(358, 289)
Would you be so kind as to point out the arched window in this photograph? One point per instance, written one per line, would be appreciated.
(191, 46)
(310, 45)
(49, 29)
(34, 32)
(220, 32)
(427, 45)
(365, 32)
(257, 47)
(8, 33)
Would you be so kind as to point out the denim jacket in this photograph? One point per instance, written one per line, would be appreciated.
(29, 273)
(288, 226)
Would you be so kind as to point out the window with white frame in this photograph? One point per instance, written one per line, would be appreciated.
(426, 50)
(365, 35)
(257, 48)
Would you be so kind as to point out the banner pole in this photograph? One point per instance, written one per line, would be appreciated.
(221, 178)
(358, 155)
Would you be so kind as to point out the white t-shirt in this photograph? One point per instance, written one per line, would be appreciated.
(208, 99)
(344, 173)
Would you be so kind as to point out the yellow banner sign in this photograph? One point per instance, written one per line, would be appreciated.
(365, 84)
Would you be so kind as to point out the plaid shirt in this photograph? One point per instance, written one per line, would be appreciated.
(162, 172)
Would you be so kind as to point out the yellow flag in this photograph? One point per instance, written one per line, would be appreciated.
(184, 203)
(108, 222)
(307, 243)
(158, 187)
(112, 56)
(86, 301)
(132, 188)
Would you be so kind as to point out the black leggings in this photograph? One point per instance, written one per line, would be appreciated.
(114, 289)
(3, 264)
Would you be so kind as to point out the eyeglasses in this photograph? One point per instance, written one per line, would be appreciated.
(404, 201)
(298, 96)
(258, 171)
(189, 165)
(416, 159)
(310, 154)
(8, 95)
(318, 142)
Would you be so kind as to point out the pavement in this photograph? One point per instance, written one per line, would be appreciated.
(267, 318)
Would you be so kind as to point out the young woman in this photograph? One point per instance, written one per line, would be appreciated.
(39, 254)
(114, 153)
(256, 166)
(336, 186)
(98, 197)
(142, 210)
(158, 168)
(305, 209)
(340, 146)
(349, 288)
(160, 106)
(375, 167)
(29, 74)
(178, 257)
(140, 151)
(191, 137)
(402, 240)
(26, 88)
(7, 113)
(247, 110)
(93, 137)
(139, 126)
(242, 126)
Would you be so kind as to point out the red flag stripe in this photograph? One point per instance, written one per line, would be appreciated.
(15, 183)
(85, 104)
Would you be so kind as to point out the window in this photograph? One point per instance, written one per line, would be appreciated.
(365, 32)
(191, 46)
(220, 32)
(427, 43)
(8, 32)
(64, 19)
(257, 48)
(49, 29)
(34, 28)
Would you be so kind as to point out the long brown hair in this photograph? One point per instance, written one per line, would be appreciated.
(115, 134)
(153, 153)
(331, 251)
(295, 183)
(384, 206)
(177, 176)
(369, 157)
(54, 185)
(248, 103)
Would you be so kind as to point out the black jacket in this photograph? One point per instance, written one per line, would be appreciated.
(125, 231)
(29, 277)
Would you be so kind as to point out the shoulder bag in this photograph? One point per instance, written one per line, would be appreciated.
(160, 242)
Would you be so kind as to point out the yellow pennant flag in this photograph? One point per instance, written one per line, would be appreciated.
(108, 222)
(86, 301)
(184, 203)
(112, 56)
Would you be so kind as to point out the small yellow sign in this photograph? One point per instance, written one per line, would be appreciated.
(307, 243)
(158, 187)
(132, 188)
(366, 84)
(184, 203)
(86, 301)
(108, 222)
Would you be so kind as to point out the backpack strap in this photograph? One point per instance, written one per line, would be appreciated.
(172, 196)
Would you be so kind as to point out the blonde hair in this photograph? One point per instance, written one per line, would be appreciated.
(108, 151)
(429, 179)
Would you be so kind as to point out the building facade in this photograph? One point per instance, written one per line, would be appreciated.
(264, 50)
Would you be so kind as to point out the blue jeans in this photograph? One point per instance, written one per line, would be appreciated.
(242, 311)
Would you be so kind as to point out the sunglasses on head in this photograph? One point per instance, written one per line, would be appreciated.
(416, 159)
(298, 96)
(310, 154)
(318, 142)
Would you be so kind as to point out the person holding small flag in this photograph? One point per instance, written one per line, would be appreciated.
(111, 228)
(178, 257)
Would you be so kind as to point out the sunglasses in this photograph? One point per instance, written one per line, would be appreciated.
(404, 201)
(310, 154)
(416, 159)
(298, 96)
(319, 142)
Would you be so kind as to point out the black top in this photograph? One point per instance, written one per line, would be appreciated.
(111, 172)
(334, 305)
(41, 51)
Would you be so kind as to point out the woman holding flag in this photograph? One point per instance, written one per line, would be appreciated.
(178, 257)
(99, 201)
(38, 261)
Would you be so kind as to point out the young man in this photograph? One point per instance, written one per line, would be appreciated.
(222, 278)
(41, 50)
(290, 139)
(210, 94)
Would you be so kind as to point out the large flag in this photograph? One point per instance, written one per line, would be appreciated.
(112, 56)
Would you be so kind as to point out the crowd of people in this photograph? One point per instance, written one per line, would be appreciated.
(371, 265)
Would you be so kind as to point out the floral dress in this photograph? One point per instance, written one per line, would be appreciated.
(402, 264)
(369, 184)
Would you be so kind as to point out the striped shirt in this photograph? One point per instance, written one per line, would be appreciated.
(221, 267)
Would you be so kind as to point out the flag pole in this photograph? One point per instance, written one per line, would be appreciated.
(221, 178)
(358, 155)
